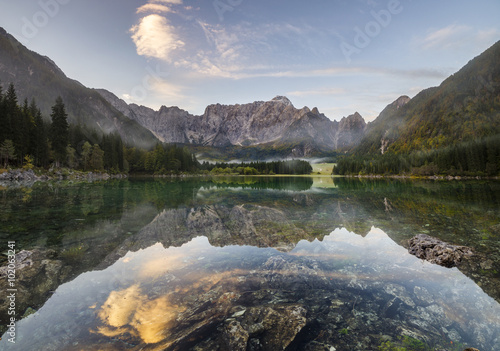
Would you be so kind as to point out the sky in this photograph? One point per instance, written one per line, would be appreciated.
(342, 56)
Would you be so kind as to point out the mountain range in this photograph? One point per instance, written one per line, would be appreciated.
(273, 123)
(464, 107)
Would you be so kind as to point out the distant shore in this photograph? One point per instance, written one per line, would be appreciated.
(412, 177)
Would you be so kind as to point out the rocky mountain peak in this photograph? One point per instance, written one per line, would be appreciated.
(351, 130)
(283, 99)
(354, 120)
(175, 109)
(401, 101)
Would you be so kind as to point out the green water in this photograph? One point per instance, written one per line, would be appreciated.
(249, 263)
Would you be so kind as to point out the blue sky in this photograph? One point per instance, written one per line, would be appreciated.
(338, 55)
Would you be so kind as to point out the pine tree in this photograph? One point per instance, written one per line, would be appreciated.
(11, 110)
(32, 112)
(97, 158)
(41, 148)
(59, 131)
(7, 151)
(86, 154)
(3, 117)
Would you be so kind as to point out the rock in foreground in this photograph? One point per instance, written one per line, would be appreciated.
(437, 251)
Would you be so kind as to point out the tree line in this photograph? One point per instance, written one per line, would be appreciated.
(294, 167)
(479, 157)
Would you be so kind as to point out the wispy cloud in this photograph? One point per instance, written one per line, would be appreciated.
(445, 37)
(223, 50)
(169, 91)
(158, 8)
(155, 37)
(342, 71)
(161, 90)
(457, 37)
(225, 44)
(488, 35)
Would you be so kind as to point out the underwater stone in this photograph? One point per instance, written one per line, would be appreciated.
(437, 251)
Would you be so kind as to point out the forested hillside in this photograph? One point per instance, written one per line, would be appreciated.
(465, 107)
(27, 139)
(37, 76)
(452, 129)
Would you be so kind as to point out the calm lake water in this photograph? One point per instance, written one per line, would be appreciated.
(249, 264)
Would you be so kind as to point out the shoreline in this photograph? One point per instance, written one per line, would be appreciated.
(29, 177)
(434, 177)
(21, 176)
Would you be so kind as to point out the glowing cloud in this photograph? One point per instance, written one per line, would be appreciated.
(130, 311)
(155, 37)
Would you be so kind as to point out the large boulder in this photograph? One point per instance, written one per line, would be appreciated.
(437, 251)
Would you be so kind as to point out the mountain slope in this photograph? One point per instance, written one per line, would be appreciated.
(36, 76)
(272, 125)
(466, 106)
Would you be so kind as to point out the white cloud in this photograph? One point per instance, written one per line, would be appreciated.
(342, 71)
(236, 51)
(488, 36)
(160, 90)
(458, 37)
(155, 37)
(158, 8)
(170, 91)
(445, 37)
(226, 44)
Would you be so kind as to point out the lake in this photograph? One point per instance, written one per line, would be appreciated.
(248, 263)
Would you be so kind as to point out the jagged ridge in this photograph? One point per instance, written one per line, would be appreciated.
(275, 123)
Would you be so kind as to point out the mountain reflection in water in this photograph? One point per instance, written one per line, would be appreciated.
(245, 266)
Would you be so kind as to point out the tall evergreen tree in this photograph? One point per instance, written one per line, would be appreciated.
(23, 128)
(7, 151)
(33, 109)
(11, 110)
(97, 158)
(3, 117)
(86, 155)
(59, 131)
(41, 148)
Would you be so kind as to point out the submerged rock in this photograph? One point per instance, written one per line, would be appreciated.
(437, 251)
(270, 328)
(36, 276)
